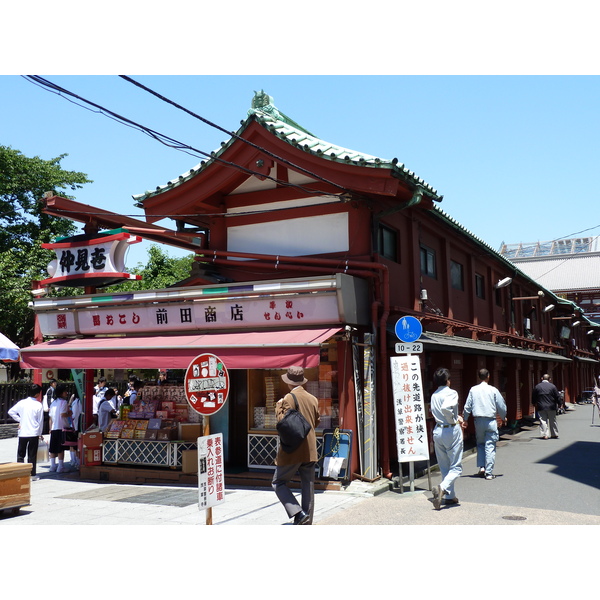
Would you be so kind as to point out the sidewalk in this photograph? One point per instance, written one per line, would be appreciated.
(63, 499)
(538, 482)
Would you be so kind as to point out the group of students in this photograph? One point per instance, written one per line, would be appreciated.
(107, 401)
(38, 415)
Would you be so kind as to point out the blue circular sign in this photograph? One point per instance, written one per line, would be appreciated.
(408, 329)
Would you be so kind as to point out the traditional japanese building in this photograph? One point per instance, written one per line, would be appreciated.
(309, 253)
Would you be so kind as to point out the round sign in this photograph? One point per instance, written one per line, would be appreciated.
(408, 329)
(50, 374)
(206, 384)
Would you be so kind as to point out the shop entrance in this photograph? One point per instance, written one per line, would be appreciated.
(232, 422)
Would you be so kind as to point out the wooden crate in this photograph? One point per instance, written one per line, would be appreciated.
(15, 485)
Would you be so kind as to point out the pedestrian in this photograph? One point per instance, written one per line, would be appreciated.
(162, 378)
(99, 390)
(302, 460)
(59, 420)
(546, 399)
(447, 438)
(76, 408)
(46, 402)
(485, 403)
(29, 413)
(106, 409)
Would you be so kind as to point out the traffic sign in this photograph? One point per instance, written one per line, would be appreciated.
(408, 329)
(409, 348)
(206, 384)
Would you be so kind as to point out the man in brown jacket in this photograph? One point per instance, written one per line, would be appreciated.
(303, 459)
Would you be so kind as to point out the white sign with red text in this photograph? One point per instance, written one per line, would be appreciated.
(211, 472)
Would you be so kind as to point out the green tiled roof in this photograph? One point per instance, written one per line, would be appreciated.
(264, 112)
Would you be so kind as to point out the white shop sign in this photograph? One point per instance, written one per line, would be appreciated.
(192, 316)
(409, 409)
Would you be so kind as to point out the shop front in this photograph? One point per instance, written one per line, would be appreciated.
(257, 330)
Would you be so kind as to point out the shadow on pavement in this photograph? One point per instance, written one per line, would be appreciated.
(574, 463)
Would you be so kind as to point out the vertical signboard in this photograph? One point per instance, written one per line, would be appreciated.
(211, 475)
(409, 409)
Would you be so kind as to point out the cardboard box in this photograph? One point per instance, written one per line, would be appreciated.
(189, 432)
(154, 423)
(189, 461)
(151, 434)
(92, 439)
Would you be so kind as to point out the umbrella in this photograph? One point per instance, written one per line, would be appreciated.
(9, 352)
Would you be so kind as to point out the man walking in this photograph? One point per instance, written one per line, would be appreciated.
(545, 398)
(29, 413)
(485, 403)
(447, 438)
(302, 459)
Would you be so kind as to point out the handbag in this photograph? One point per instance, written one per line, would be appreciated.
(42, 451)
(292, 429)
(69, 437)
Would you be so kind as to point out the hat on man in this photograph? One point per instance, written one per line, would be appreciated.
(294, 376)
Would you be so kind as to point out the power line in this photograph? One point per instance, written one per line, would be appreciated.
(162, 138)
(232, 134)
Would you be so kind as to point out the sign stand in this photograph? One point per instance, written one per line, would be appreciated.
(411, 433)
(206, 431)
(206, 385)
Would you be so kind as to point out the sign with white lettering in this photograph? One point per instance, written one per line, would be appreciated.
(206, 384)
(90, 260)
(409, 409)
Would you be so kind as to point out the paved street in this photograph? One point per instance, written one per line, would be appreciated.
(539, 482)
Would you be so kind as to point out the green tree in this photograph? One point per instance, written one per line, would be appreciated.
(23, 228)
(160, 271)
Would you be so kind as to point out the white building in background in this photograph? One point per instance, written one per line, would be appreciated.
(568, 267)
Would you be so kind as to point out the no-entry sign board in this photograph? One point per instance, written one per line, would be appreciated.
(206, 384)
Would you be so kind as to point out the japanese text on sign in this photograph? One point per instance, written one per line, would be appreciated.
(211, 477)
(409, 409)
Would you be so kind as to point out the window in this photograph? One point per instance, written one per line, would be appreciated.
(480, 286)
(456, 275)
(388, 243)
(428, 262)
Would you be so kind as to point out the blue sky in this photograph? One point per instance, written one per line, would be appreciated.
(515, 157)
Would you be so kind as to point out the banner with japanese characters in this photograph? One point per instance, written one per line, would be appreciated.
(211, 473)
(175, 316)
(409, 409)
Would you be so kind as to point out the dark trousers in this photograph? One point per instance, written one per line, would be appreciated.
(283, 474)
(29, 446)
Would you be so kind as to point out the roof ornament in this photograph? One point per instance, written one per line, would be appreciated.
(262, 102)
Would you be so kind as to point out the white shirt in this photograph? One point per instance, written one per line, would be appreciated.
(77, 410)
(59, 406)
(29, 413)
(444, 405)
(104, 410)
(98, 396)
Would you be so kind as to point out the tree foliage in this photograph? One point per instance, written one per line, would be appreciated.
(160, 271)
(23, 228)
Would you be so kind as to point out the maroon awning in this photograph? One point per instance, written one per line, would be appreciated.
(239, 350)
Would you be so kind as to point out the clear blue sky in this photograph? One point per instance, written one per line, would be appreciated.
(515, 157)
(494, 105)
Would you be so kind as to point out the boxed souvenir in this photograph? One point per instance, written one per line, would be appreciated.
(162, 414)
(167, 405)
(166, 434)
(151, 434)
(127, 434)
(154, 423)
